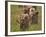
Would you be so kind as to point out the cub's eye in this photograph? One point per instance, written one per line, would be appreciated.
(32, 10)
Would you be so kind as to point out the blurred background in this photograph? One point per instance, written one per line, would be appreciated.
(17, 10)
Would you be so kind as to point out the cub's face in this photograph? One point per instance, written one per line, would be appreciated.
(31, 11)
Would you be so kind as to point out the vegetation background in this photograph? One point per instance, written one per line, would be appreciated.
(17, 10)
